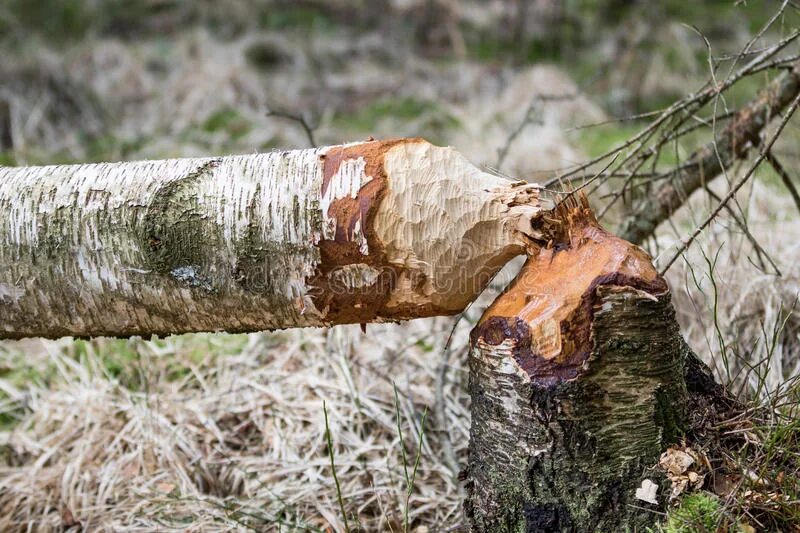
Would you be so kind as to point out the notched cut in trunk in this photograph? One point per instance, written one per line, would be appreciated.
(577, 385)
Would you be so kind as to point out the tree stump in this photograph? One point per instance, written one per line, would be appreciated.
(577, 386)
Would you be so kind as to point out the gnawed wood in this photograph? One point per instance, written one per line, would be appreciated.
(577, 386)
(383, 230)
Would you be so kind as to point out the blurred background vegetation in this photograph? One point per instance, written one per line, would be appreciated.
(385, 67)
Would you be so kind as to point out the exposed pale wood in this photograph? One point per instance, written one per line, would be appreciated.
(382, 230)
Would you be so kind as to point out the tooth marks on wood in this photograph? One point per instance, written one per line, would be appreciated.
(576, 380)
(547, 311)
(349, 245)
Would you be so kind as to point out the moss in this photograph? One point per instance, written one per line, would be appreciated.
(173, 234)
(697, 513)
(582, 446)
(667, 417)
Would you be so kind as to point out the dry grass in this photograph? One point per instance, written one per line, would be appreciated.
(228, 433)
(739, 316)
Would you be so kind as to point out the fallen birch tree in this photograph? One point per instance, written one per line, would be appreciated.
(579, 376)
(384, 230)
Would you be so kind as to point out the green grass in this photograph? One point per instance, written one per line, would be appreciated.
(400, 109)
(487, 47)
(768, 491)
(598, 140)
(329, 443)
(7, 159)
(408, 116)
(69, 21)
(296, 18)
(17, 372)
(128, 362)
(57, 20)
(227, 121)
(409, 479)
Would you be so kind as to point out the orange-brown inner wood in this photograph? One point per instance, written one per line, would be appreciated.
(551, 300)
(345, 305)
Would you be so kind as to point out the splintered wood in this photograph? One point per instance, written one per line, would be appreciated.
(548, 308)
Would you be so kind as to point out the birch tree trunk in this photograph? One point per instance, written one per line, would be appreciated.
(577, 385)
(384, 230)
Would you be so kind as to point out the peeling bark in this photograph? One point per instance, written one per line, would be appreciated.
(383, 230)
(577, 385)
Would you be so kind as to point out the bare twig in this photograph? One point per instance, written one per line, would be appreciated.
(682, 110)
(707, 162)
(527, 119)
(300, 119)
(742, 223)
(784, 176)
(738, 185)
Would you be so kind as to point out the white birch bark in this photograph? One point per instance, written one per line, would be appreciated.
(383, 230)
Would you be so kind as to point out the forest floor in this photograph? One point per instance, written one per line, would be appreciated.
(228, 432)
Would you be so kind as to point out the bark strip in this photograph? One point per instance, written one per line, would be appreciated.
(707, 163)
(577, 386)
(381, 230)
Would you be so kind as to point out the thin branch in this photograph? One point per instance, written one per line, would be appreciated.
(528, 118)
(761, 253)
(710, 160)
(787, 180)
(739, 184)
(300, 119)
(687, 106)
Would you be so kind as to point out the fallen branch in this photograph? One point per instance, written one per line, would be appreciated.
(735, 187)
(384, 230)
(733, 143)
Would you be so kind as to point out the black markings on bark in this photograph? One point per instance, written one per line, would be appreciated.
(177, 239)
